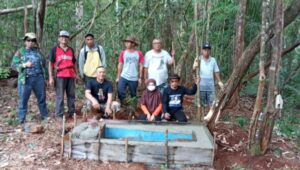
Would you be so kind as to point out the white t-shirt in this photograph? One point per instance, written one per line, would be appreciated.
(208, 68)
(157, 64)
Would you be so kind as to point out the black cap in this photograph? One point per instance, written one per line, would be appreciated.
(89, 35)
(174, 76)
(206, 46)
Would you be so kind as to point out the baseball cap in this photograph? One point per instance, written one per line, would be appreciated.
(64, 33)
(29, 35)
(206, 46)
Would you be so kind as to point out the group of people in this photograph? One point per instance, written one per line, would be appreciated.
(161, 100)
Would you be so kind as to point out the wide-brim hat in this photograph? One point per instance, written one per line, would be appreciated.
(131, 39)
(30, 35)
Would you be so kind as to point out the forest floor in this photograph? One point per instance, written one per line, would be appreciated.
(23, 150)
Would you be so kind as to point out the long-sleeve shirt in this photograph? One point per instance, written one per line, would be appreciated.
(172, 99)
(83, 58)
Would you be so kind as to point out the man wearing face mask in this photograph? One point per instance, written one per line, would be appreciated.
(173, 98)
(151, 102)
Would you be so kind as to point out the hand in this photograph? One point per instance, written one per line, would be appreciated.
(96, 105)
(28, 64)
(51, 81)
(148, 117)
(167, 116)
(196, 63)
(221, 85)
(117, 80)
(173, 53)
(152, 118)
(140, 81)
(197, 79)
(108, 110)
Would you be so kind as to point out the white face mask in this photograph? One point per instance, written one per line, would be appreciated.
(151, 87)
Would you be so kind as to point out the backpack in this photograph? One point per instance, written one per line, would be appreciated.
(85, 53)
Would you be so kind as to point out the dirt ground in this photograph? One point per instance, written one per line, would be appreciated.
(23, 150)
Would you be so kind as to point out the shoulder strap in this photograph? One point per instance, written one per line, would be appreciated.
(85, 53)
(99, 52)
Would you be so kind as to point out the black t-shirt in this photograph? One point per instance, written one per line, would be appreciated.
(99, 90)
(172, 99)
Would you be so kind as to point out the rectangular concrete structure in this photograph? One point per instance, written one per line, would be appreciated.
(176, 153)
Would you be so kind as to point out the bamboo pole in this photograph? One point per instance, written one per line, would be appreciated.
(166, 149)
(126, 150)
(62, 137)
(70, 149)
(75, 119)
(199, 115)
(100, 134)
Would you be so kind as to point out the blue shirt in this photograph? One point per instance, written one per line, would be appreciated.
(207, 70)
(33, 56)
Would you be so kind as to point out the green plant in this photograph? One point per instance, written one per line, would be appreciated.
(4, 72)
(242, 121)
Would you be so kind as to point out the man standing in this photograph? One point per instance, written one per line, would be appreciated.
(130, 68)
(156, 64)
(62, 70)
(91, 56)
(99, 92)
(173, 98)
(209, 72)
(29, 63)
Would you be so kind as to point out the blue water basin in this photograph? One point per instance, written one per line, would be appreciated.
(142, 135)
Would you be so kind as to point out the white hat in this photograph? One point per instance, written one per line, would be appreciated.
(64, 33)
(30, 35)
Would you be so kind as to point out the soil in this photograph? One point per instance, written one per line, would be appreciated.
(20, 149)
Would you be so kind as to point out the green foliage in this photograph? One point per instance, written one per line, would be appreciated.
(237, 167)
(241, 121)
(131, 101)
(4, 72)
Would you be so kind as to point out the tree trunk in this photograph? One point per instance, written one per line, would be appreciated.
(29, 7)
(79, 15)
(34, 9)
(254, 135)
(25, 21)
(239, 36)
(271, 111)
(239, 71)
(239, 45)
(40, 18)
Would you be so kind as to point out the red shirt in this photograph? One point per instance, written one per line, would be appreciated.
(63, 61)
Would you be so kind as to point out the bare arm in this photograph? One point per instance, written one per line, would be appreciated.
(145, 74)
(141, 70)
(120, 67)
(217, 76)
(89, 96)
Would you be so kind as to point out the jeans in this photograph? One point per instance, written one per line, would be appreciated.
(37, 85)
(64, 85)
(123, 83)
(207, 98)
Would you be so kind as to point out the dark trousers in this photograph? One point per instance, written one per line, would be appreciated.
(123, 83)
(64, 85)
(178, 115)
(143, 116)
(37, 85)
